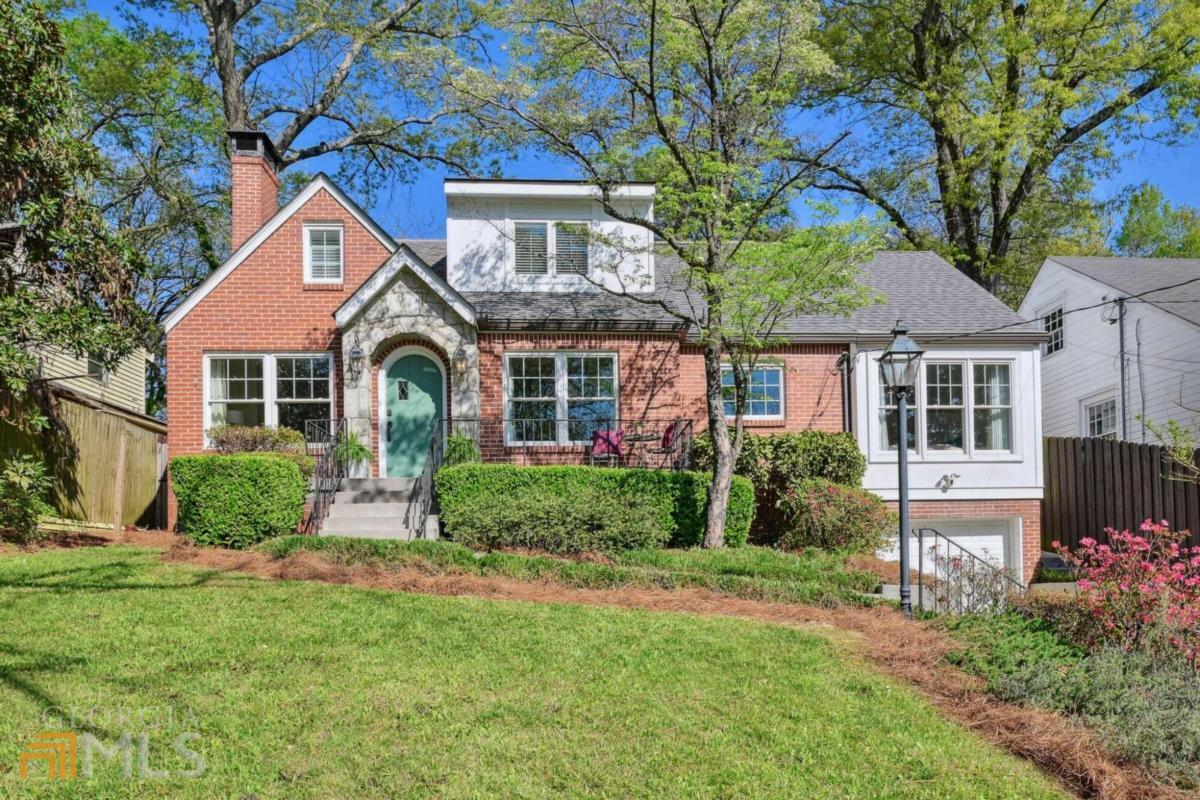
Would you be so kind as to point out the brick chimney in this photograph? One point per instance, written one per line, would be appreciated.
(255, 186)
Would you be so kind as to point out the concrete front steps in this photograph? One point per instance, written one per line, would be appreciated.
(376, 508)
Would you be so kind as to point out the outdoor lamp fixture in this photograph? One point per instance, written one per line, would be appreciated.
(356, 362)
(899, 364)
(460, 361)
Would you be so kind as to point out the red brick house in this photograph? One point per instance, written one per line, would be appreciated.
(505, 326)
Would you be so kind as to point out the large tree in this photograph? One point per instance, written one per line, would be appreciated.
(699, 96)
(360, 78)
(67, 280)
(978, 126)
(1154, 228)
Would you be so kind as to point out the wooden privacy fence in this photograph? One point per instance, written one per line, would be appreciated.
(113, 471)
(1093, 484)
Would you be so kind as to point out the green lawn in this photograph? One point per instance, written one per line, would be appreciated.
(752, 573)
(311, 690)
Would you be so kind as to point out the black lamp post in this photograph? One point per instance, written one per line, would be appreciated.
(899, 364)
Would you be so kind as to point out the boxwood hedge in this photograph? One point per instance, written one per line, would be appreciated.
(677, 503)
(237, 500)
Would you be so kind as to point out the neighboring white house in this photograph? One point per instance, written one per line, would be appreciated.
(1143, 313)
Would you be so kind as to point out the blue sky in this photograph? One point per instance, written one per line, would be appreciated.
(418, 209)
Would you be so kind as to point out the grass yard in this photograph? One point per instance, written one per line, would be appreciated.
(751, 573)
(310, 690)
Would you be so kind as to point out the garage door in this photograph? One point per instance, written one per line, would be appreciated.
(994, 540)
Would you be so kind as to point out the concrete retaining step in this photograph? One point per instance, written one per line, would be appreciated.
(353, 510)
(355, 529)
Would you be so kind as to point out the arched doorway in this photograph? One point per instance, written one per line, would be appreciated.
(412, 395)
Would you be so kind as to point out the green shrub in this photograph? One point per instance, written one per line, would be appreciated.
(581, 520)
(352, 450)
(23, 487)
(1002, 644)
(237, 500)
(774, 461)
(461, 449)
(678, 501)
(1143, 707)
(819, 513)
(284, 442)
(1069, 618)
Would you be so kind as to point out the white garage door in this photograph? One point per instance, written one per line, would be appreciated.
(994, 540)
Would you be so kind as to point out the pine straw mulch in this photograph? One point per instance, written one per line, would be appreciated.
(93, 538)
(910, 651)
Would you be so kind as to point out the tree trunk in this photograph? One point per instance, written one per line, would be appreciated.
(723, 455)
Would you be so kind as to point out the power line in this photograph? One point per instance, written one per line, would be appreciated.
(1065, 312)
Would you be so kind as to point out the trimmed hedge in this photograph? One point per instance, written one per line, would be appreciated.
(237, 500)
(677, 502)
(283, 442)
(776, 461)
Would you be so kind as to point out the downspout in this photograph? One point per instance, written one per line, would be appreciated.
(848, 388)
(1124, 388)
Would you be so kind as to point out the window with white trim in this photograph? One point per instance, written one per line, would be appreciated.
(559, 398)
(1101, 418)
(958, 408)
(299, 389)
(551, 248)
(1052, 323)
(889, 418)
(323, 253)
(993, 407)
(96, 369)
(764, 392)
(945, 407)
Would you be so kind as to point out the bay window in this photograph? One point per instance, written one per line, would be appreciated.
(298, 389)
(958, 407)
(559, 398)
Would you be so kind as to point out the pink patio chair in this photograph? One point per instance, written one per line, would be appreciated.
(606, 447)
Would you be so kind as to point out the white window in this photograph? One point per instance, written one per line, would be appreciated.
(993, 407)
(239, 392)
(889, 418)
(96, 369)
(537, 252)
(945, 407)
(958, 408)
(1052, 323)
(764, 394)
(1100, 418)
(559, 398)
(531, 247)
(571, 248)
(323, 253)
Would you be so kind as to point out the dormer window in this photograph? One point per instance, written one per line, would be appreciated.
(322, 253)
(538, 251)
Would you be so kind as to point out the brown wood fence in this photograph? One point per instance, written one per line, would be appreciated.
(1093, 484)
(112, 471)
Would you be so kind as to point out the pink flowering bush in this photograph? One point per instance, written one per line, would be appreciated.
(1142, 589)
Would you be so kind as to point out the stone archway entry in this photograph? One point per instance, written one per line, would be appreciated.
(412, 384)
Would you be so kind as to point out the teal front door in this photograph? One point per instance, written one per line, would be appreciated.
(415, 390)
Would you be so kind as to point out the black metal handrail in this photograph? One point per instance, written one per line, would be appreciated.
(961, 582)
(421, 501)
(325, 439)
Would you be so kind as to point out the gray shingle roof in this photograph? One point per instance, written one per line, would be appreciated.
(921, 288)
(1142, 276)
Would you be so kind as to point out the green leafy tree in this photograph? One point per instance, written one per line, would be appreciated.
(979, 126)
(1154, 228)
(67, 280)
(697, 96)
(161, 179)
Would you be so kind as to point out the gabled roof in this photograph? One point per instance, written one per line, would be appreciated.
(1145, 279)
(321, 181)
(404, 258)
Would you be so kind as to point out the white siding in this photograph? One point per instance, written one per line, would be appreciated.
(983, 476)
(480, 252)
(1162, 384)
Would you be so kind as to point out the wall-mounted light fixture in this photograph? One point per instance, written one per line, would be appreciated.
(357, 357)
(460, 361)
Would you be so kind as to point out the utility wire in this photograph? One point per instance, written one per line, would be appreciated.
(1064, 313)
